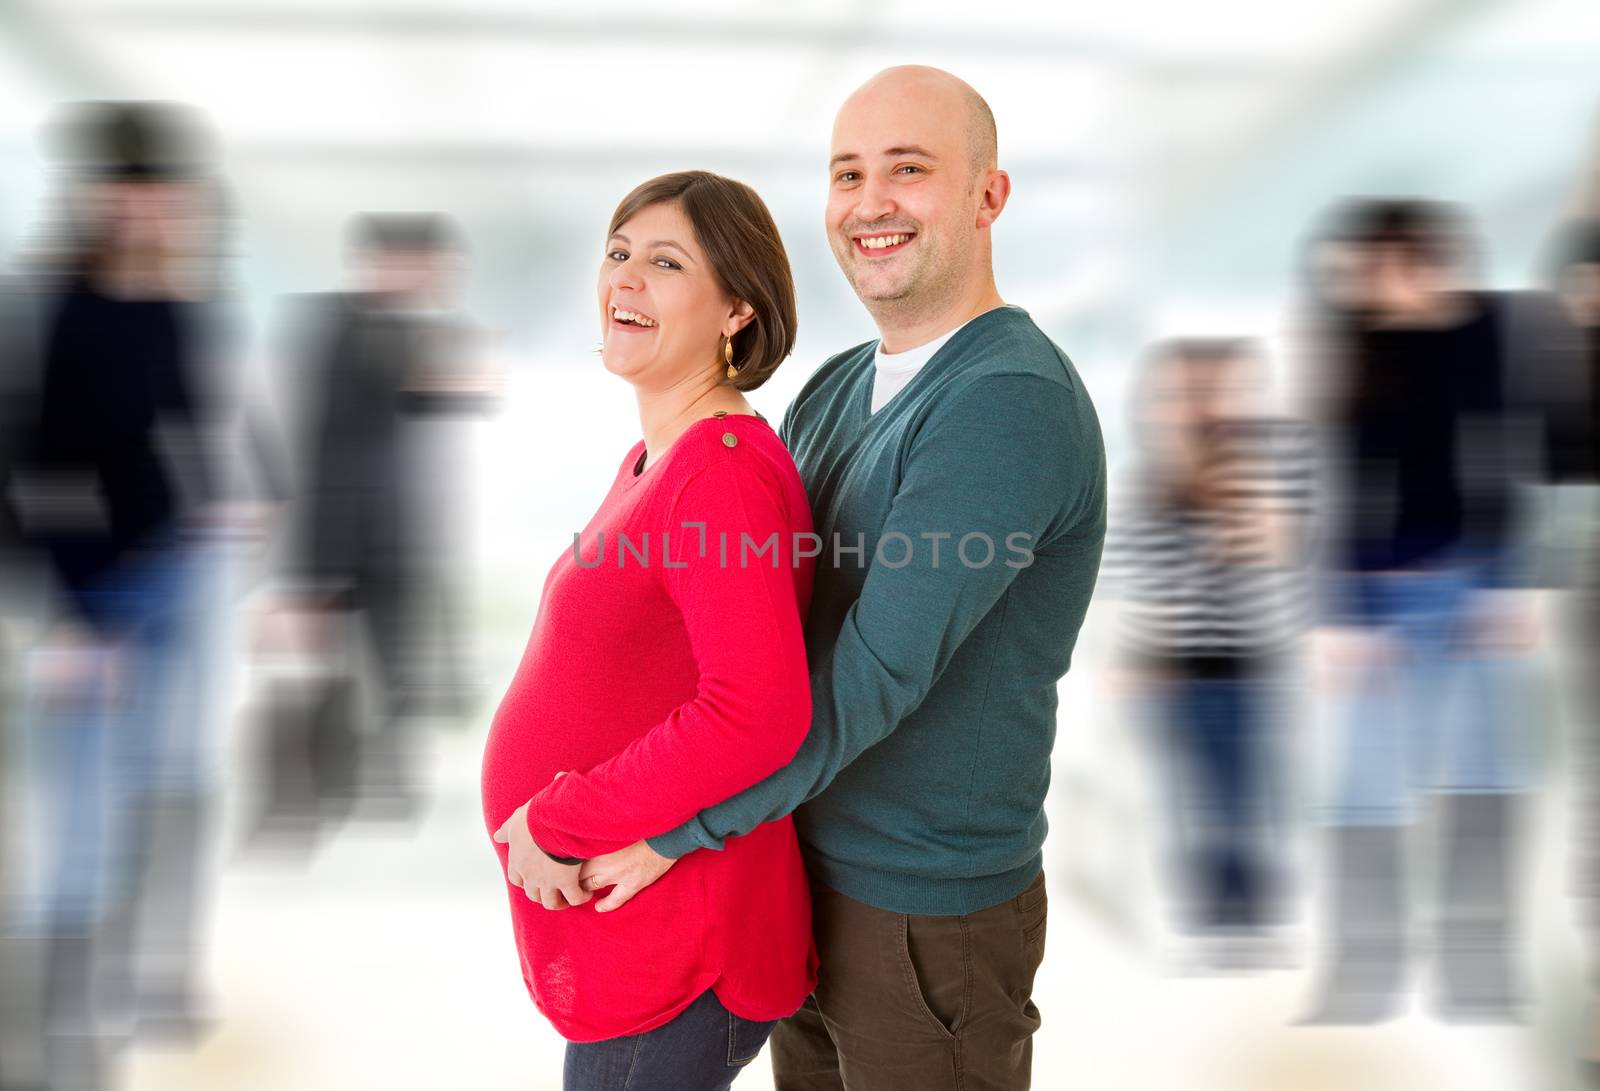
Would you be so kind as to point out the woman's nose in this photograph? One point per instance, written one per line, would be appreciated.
(625, 275)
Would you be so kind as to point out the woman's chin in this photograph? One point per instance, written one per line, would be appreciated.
(620, 364)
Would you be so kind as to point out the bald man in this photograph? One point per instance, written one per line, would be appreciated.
(957, 475)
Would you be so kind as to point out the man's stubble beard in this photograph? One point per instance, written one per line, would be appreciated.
(931, 285)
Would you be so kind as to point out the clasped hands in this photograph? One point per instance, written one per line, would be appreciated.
(555, 885)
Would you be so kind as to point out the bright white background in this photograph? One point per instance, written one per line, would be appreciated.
(1167, 157)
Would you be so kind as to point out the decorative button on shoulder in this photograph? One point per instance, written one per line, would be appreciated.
(730, 439)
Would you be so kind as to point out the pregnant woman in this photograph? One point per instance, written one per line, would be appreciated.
(666, 671)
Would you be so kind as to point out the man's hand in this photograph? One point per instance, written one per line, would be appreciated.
(627, 871)
(552, 885)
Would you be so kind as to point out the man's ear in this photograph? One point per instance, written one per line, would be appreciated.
(740, 315)
(992, 200)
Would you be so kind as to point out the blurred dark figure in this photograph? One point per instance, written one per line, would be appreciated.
(112, 492)
(1427, 626)
(1572, 337)
(1209, 565)
(21, 956)
(1573, 448)
(369, 573)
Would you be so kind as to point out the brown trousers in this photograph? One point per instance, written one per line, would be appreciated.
(913, 1003)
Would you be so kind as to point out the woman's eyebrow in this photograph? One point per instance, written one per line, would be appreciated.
(669, 242)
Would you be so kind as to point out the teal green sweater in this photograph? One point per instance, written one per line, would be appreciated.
(920, 787)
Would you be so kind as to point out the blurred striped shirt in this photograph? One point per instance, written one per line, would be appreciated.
(1230, 581)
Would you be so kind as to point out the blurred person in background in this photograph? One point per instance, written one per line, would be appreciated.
(659, 682)
(114, 492)
(373, 532)
(957, 471)
(21, 606)
(1573, 465)
(1208, 562)
(1427, 626)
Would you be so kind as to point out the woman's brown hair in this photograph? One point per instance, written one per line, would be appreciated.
(746, 253)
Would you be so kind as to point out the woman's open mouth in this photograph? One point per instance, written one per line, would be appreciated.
(631, 321)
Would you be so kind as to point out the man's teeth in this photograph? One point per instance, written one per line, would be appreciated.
(629, 316)
(883, 241)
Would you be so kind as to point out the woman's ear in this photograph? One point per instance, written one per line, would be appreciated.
(740, 315)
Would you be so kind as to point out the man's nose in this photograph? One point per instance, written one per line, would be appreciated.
(874, 199)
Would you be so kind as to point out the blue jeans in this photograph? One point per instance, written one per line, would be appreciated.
(129, 732)
(703, 1049)
(1216, 731)
(1439, 716)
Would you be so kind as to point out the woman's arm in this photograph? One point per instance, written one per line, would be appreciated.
(752, 705)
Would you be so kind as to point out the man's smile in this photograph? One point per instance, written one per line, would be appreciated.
(881, 243)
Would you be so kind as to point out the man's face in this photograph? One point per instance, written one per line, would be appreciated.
(1342, 272)
(902, 199)
(1404, 287)
(399, 272)
(144, 217)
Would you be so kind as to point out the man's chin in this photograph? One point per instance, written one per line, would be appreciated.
(880, 289)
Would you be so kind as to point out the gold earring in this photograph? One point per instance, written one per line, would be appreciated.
(727, 356)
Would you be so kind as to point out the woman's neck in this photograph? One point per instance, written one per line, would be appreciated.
(664, 415)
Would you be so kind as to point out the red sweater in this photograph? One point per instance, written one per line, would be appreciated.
(664, 685)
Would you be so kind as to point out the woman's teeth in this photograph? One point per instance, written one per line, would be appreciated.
(629, 316)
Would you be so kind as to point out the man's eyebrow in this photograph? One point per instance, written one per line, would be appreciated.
(907, 149)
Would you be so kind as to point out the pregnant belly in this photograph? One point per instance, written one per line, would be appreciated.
(516, 765)
(600, 975)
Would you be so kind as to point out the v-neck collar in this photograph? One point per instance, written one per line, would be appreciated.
(955, 337)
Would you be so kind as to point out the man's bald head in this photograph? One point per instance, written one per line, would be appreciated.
(944, 96)
(912, 191)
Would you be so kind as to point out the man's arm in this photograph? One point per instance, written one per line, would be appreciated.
(1004, 459)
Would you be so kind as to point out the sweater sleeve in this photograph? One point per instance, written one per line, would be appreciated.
(752, 703)
(1004, 458)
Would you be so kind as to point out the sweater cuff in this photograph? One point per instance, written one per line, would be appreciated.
(544, 838)
(685, 839)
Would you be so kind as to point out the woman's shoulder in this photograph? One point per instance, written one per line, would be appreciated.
(733, 446)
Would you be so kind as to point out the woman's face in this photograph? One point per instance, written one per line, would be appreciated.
(662, 311)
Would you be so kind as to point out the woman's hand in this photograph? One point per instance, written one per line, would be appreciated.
(627, 870)
(552, 885)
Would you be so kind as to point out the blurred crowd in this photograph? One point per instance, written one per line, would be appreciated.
(1378, 564)
(163, 508)
(1385, 554)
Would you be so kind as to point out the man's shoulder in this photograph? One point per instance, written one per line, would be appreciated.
(1015, 372)
(1007, 342)
(840, 367)
(826, 383)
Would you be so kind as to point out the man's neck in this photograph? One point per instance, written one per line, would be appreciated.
(899, 333)
(130, 276)
(1442, 311)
